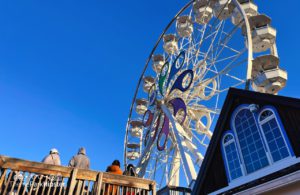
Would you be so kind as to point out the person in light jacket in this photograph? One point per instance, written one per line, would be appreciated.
(52, 158)
(80, 160)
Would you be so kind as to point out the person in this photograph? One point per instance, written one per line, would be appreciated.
(130, 171)
(52, 158)
(114, 168)
(80, 160)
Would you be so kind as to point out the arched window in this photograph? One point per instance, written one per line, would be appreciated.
(274, 135)
(249, 140)
(232, 162)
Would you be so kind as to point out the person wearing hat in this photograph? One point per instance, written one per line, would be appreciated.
(80, 160)
(52, 158)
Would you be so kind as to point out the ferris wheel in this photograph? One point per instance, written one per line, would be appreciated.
(208, 47)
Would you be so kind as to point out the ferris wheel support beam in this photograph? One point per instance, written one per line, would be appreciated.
(175, 173)
(186, 159)
(249, 41)
(274, 50)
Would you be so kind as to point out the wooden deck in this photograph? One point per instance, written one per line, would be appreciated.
(33, 178)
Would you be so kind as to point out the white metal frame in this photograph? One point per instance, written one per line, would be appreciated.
(188, 146)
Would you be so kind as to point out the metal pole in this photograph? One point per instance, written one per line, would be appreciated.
(191, 172)
(249, 41)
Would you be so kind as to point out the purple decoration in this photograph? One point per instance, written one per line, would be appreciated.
(147, 136)
(155, 128)
(179, 81)
(176, 66)
(147, 118)
(178, 104)
(152, 96)
(164, 131)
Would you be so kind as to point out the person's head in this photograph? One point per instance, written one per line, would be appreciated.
(116, 162)
(130, 170)
(130, 167)
(54, 151)
(82, 151)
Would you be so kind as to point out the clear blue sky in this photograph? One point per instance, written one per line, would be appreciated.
(68, 70)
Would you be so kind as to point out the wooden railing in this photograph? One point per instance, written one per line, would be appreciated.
(173, 190)
(32, 178)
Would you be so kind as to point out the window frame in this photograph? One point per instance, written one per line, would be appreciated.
(232, 124)
(272, 167)
(277, 118)
(223, 145)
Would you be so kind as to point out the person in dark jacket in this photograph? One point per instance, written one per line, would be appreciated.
(130, 171)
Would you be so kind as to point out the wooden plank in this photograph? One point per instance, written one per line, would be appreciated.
(45, 169)
(61, 185)
(72, 182)
(39, 185)
(85, 174)
(7, 182)
(14, 182)
(35, 167)
(21, 182)
(81, 174)
(129, 178)
(153, 186)
(26, 183)
(127, 181)
(2, 178)
(1, 160)
(99, 183)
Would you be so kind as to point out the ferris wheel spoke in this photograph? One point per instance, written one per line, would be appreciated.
(230, 48)
(174, 167)
(221, 60)
(226, 74)
(224, 43)
(223, 72)
(229, 66)
(209, 49)
(191, 172)
(233, 86)
(201, 142)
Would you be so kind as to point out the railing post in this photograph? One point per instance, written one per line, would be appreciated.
(99, 183)
(2, 178)
(153, 188)
(72, 181)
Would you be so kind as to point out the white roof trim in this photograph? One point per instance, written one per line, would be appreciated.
(274, 184)
(259, 174)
